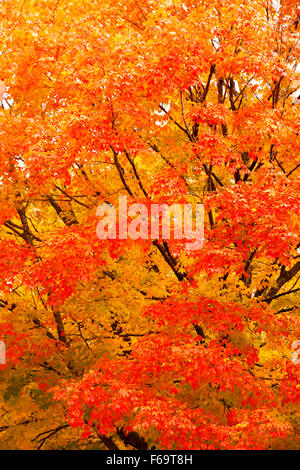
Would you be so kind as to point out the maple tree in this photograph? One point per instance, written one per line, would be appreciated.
(140, 344)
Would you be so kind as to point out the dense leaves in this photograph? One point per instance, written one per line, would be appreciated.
(140, 344)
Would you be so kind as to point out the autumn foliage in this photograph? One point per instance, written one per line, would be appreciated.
(140, 344)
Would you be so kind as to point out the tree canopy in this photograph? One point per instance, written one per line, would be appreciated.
(140, 344)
